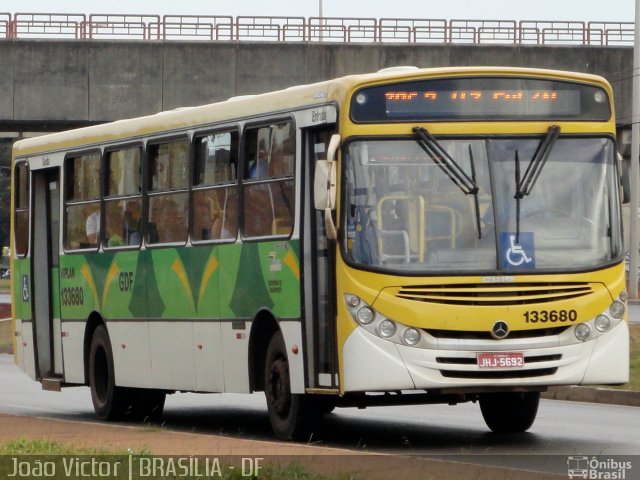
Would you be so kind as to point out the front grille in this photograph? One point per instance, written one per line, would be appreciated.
(485, 335)
(482, 375)
(495, 295)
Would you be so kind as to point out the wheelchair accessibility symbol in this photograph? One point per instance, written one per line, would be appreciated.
(517, 255)
(25, 288)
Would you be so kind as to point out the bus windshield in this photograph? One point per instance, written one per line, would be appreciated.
(407, 212)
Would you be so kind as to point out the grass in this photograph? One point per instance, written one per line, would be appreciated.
(48, 447)
(39, 452)
(634, 360)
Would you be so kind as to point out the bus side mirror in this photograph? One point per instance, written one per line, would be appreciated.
(325, 186)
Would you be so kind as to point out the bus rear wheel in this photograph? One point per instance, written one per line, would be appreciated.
(111, 402)
(509, 412)
(292, 416)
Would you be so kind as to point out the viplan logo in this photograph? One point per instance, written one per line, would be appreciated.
(598, 468)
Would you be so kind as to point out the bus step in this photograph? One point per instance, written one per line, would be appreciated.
(52, 384)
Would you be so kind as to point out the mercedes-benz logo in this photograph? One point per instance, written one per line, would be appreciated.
(500, 330)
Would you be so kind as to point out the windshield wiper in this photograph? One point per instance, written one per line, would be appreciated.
(525, 184)
(450, 167)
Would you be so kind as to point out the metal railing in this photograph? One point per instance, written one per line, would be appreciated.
(314, 29)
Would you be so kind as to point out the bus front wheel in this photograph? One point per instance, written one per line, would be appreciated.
(509, 412)
(292, 416)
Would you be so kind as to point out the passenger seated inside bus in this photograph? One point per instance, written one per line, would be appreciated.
(204, 217)
(114, 230)
(93, 227)
(258, 166)
(132, 216)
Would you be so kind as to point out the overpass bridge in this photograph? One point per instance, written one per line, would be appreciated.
(61, 71)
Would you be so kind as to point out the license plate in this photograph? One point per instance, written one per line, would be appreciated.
(490, 360)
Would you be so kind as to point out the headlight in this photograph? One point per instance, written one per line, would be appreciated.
(411, 336)
(602, 323)
(378, 324)
(582, 332)
(365, 315)
(617, 310)
(353, 301)
(386, 328)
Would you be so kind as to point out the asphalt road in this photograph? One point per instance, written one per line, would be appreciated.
(453, 432)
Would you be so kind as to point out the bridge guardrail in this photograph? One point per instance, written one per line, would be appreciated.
(313, 29)
(197, 27)
(55, 25)
(5, 25)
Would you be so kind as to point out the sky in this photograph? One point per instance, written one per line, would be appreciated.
(561, 10)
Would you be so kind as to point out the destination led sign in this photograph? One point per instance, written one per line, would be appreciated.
(481, 99)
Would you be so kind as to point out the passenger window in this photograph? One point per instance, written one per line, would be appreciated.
(21, 233)
(82, 201)
(215, 197)
(168, 170)
(168, 165)
(269, 180)
(123, 205)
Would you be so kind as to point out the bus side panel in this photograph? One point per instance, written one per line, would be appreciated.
(114, 285)
(24, 354)
(207, 338)
(130, 344)
(170, 329)
(237, 273)
(292, 333)
(257, 277)
(73, 351)
(235, 350)
(203, 262)
(172, 354)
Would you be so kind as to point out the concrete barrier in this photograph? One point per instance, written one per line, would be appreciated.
(55, 84)
(594, 395)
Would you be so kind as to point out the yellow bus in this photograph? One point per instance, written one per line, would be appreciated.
(409, 236)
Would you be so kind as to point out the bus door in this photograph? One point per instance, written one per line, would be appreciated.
(319, 274)
(44, 274)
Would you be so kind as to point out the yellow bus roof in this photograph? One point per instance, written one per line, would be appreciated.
(236, 108)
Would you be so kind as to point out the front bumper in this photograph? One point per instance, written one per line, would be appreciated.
(374, 364)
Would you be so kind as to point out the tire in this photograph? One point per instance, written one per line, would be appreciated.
(292, 416)
(145, 404)
(111, 402)
(509, 412)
